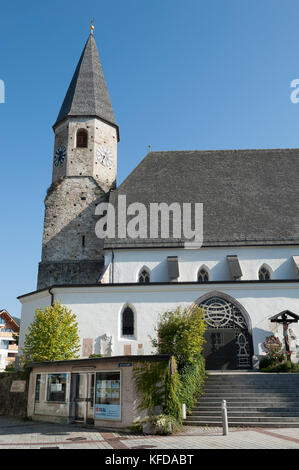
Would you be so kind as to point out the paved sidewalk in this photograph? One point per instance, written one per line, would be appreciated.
(18, 434)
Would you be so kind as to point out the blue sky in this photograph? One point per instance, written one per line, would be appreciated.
(182, 74)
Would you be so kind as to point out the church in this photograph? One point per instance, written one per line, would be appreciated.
(244, 271)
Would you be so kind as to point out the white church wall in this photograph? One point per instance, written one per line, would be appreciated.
(127, 263)
(98, 310)
(29, 306)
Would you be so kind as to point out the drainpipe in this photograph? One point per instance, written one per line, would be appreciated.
(112, 266)
(52, 296)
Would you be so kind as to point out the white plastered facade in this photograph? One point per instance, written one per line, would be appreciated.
(99, 308)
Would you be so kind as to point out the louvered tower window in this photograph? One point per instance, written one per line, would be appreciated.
(82, 138)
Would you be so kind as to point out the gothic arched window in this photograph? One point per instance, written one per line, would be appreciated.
(81, 138)
(264, 274)
(203, 275)
(144, 276)
(128, 322)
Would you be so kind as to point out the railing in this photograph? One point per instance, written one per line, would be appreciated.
(5, 334)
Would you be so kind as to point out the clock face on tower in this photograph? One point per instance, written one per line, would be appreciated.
(59, 156)
(104, 156)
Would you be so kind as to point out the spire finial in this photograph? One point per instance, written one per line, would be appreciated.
(91, 26)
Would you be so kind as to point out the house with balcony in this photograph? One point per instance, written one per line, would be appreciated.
(9, 330)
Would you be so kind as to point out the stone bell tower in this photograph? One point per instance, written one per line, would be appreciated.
(84, 171)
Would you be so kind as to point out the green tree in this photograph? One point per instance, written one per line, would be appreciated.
(52, 336)
(181, 334)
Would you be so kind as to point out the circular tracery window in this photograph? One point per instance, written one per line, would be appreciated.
(220, 313)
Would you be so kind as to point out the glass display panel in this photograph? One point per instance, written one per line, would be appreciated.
(107, 396)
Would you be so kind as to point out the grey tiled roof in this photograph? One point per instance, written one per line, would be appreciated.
(87, 94)
(250, 197)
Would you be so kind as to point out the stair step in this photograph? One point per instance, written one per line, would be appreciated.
(248, 401)
(243, 374)
(248, 424)
(243, 394)
(278, 386)
(256, 399)
(247, 418)
(256, 414)
(250, 387)
(250, 377)
(244, 382)
(256, 378)
(249, 408)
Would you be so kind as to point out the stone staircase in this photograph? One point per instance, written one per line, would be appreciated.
(252, 398)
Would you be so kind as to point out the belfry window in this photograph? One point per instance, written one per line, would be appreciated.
(264, 274)
(144, 276)
(81, 138)
(203, 275)
(128, 322)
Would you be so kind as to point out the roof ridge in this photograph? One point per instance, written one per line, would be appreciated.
(280, 149)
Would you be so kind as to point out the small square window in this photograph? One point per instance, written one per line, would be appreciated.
(56, 387)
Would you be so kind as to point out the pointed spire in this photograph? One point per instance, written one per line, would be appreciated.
(87, 94)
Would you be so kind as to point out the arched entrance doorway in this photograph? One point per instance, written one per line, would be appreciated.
(228, 333)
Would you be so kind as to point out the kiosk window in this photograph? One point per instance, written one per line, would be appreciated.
(56, 387)
(107, 402)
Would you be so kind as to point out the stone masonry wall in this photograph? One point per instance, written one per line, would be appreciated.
(70, 216)
(13, 403)
(71, 251)
(67, 272)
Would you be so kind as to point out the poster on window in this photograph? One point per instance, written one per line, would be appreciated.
(56, 387)
(107, 396)
(107, 411)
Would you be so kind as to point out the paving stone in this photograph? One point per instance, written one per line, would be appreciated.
(14, 435)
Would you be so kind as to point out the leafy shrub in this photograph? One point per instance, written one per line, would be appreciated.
(173, 406)
(264, 363)
(164, 424)
(168, 385)
(191, 382)
(181, 334)
(158, 383)
(156, 424)
(276, 356)
(10, 368)
(272, 358)
(285, 366)
(161, 385)
(150, 380)
(137, 427)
